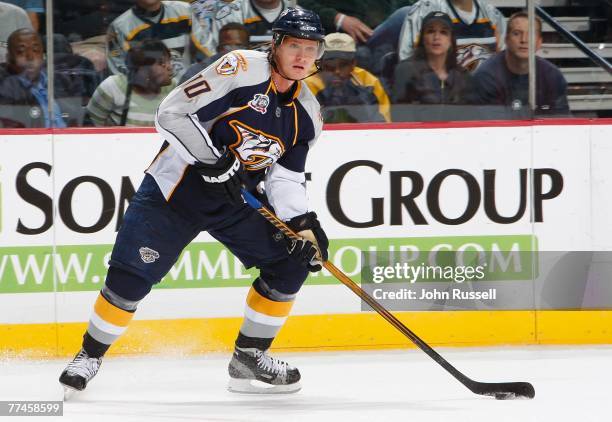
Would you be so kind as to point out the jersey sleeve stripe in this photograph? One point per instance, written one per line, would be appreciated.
(169, 135)
(204, 134)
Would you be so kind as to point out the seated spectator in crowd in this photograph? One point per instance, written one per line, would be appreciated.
(432, 75)
(79, 70)
(478, 26)
(33, 8)
(256, 15)
(504, 79)
(168, 21)
(347, 93)
(132, 100)
(233, 36)
(23, 87)
(11, 19)
(356, 18)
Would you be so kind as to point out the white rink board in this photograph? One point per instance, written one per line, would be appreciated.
(576, 219)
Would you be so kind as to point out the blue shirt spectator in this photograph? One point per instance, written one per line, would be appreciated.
(38, 89)
(504, 78)
(23, 87)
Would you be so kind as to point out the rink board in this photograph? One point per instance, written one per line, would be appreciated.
(50, 273)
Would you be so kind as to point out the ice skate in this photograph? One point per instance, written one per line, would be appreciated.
(254, 371)
(78, 373)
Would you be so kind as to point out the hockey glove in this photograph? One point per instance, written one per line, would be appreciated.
(311, 250)
(224, 176)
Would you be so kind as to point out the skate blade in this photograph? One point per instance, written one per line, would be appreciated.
(69, 392)
(246, 386)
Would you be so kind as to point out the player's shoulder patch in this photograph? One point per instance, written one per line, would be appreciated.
(231, 63)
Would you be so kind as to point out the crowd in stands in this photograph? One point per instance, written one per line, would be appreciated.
(384, 60)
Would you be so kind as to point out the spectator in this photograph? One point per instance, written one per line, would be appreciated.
(356, 18)
(168, 21)
(233, 36)
(504, 79)
(23, 86)
(478, 26)
(346, 92)
(131, 100)
(11, 19)
(256, 15)
(33, 8)
(432, 75)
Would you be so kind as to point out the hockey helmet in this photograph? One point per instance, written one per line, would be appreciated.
(299, 23)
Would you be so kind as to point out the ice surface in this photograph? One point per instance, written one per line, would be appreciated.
(572, 384)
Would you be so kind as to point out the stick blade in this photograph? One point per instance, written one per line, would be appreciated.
(505, 390)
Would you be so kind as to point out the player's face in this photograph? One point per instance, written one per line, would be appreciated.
(26, 55)
(336, 71)
(295, 57)
(517, 39)
(436, 39)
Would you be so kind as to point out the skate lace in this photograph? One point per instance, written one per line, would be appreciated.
(271, 364)
(84, 366)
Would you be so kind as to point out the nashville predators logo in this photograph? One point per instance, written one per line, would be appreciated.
(470, 56)
(256, 149)
(230, 63)
(148, 255)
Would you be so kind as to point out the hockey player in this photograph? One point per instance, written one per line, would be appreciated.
(246, 119)
(478, 27)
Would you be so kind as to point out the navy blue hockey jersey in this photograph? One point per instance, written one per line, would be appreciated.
(234, 104)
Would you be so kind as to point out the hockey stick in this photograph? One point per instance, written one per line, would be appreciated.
(499, 390)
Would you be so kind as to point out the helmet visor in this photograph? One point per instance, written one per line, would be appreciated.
(312, 50)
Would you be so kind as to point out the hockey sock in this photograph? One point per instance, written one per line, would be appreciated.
(265, 313)
(110, 318)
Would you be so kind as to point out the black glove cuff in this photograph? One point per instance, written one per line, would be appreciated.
(223, 170)
(306, 221)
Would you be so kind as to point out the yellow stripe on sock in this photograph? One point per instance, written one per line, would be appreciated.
(111, 314)
(265, 306)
